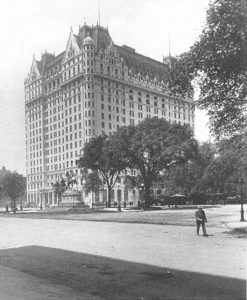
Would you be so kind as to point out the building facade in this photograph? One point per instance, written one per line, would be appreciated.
(94, 86)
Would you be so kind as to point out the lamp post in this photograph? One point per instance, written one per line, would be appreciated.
(92, 198)
(141, 197)
(118, 197)
(41, 201)
(83, 181)
(241, 182)
(118, 194)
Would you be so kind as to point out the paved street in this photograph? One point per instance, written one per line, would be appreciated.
(170, 247)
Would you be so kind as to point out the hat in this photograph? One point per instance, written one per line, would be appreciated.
(200, 206)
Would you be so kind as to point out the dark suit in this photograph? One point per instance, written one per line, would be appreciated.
(200, 220)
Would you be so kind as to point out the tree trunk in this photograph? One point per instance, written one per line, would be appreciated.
(146, 196)
(109, 196)
(14, 205)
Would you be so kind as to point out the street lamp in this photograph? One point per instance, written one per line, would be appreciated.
(141, 195)
(118, 193)
(83, 182)
(241, 182)
(119, 197)
(92, 198)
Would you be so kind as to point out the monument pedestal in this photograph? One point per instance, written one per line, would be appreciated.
(71, 198)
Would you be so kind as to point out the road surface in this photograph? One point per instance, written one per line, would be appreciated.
(162, 246)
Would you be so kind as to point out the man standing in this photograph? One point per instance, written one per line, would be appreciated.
(200, 220)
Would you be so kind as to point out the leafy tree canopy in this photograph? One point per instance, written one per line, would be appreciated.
(219, 61)
(186, 178)
(229, 164)
(13, 185)
(181, 75)
(93, 181)
(103, 154)
(154, 145)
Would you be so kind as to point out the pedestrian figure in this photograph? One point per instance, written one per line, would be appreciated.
(200, 220)
(119, 208)
(7, 208)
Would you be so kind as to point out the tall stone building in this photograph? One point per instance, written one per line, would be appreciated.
(94, 86)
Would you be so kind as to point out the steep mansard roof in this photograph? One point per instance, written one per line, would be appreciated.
(138, 63)
(48, 61)
(143, 64)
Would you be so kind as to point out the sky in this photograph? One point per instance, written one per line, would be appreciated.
(30, 27)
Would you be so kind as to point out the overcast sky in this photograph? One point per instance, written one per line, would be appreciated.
(29, 27)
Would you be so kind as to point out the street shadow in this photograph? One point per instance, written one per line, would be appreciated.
(114, 279)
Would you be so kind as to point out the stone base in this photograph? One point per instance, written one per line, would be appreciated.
(70, 204)
(71, 198)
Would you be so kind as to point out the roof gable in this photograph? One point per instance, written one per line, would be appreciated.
(34, 72)
(72, 46)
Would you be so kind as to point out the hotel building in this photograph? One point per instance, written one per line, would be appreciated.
(94, 86)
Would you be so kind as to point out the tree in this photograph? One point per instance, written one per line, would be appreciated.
(103, 154)
(228, 165)
(14, 186)
(219, 61)
(155, 145)
(93, 181)
(181, 75)
(3, 172)
(218, 172)
(59, 187)
(186, 178)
